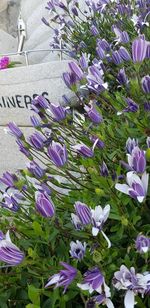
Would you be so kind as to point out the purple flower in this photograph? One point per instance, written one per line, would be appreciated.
(93, 114)
(136, 187)
(104, 44)
(58, 112)
(125, 37)
(77, 250)
(9, 179)
(122, 78)
(10, 202)
(147, 106)
(121, 36)
(50, 5)
(4, 63)
(142, 243)
(63, 278)
(45, 22)
(44, 204)
(83, 212)
(14, 130)
(74, 67)
(104, 170)
(131, 144)
(104, 298)
(40, 102)
(146, 84)
(100, 144)
(83, 150)
(148, 51)
(124, 9)
(9, 252)
(95, 80)
(116, 58)
(83, 62)
(139, 47)
(100, 52)
(69, 79)
(42, 187)
(132, 106)
(74, 11)
(94, 30)
(93, 281)
(57, 153)
(35, 169)
(37, 140)
(137, 160)
(23, 148)
(76, 221)
(66, 99)
(124, 54)
(131, 282)
(35, 121)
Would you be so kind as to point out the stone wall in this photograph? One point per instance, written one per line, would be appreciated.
(9, 16)
(19, 85)
(17, 88)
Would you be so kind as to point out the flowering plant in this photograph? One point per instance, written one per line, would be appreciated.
(80, 210)
(5, 62)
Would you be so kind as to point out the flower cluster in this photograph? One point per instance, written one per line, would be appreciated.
(81, 152)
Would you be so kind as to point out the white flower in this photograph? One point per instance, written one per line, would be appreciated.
(99, 216)
(136, 187)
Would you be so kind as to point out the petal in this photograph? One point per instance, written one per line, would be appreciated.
(145, 249)
(129, 299)
(145, 178)
(95, 231)
(130, 160)
(133, 178)
(109, 303)
(123, 188)
(140, 199)
(83, 286)
(54, 279)
(8, 237)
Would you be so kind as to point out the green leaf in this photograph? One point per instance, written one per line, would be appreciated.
(32, 306)
(37, 228)
(34, 295)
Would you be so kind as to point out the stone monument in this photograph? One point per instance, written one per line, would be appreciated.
(37, 34)
(18, 86)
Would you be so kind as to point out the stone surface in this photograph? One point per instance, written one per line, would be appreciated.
(7, 43)
(37, 34)
(9, 11)
(19, 85)
(10, 158)
(3, 5)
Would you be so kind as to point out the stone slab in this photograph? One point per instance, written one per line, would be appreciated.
(10, 157)
(3, 5)
(7, 43)
(18, 86)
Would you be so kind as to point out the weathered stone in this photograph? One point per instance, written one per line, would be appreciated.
(7, 43)
(3, 5)
(18, 86)
(11, 158)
